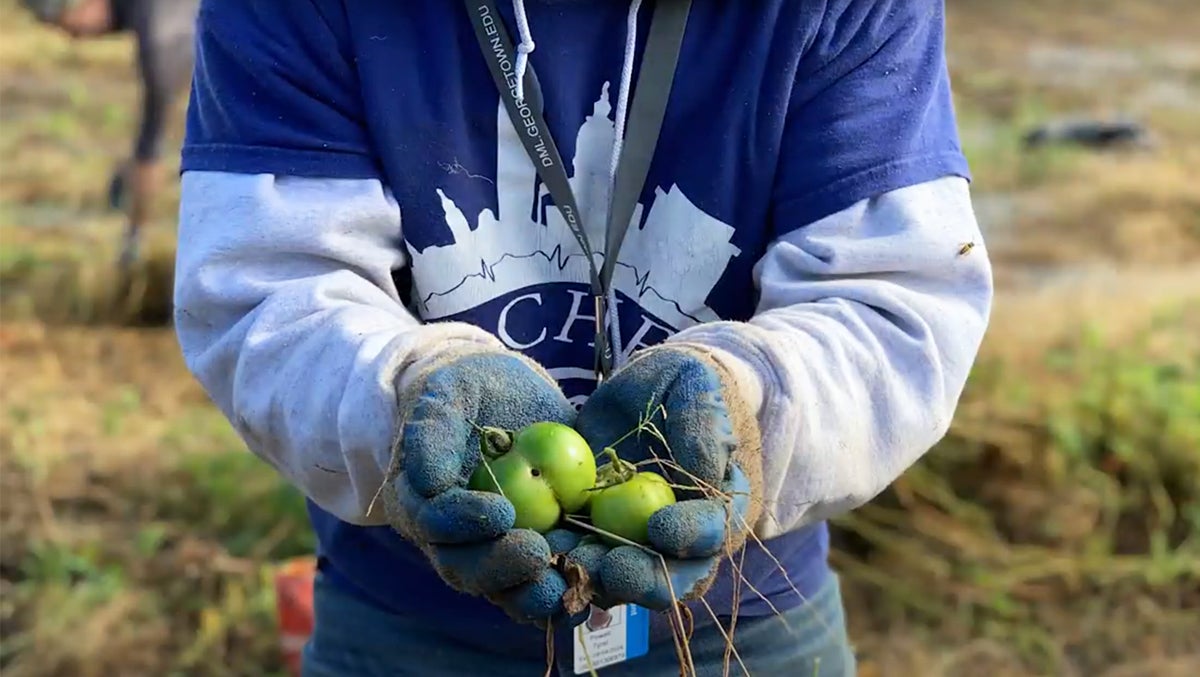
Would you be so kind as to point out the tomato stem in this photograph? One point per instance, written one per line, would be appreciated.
(494, 442)
(622, 470)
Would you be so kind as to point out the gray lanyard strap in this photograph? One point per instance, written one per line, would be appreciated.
(644, 124)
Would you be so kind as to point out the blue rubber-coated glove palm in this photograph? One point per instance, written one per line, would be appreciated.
(714, 443)
(469, 536)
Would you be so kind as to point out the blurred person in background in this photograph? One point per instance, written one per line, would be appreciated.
(163, 30)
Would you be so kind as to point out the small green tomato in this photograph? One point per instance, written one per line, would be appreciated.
(627, 499)
(544, 469)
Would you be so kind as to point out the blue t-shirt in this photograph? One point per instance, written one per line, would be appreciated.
(782, 112)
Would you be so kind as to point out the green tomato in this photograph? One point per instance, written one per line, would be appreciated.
(548, 469)
(625, 508)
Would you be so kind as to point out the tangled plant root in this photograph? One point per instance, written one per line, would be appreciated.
(711, 491)
(736, 559)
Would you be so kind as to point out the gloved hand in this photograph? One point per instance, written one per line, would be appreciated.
(469, 535)
(713, 442)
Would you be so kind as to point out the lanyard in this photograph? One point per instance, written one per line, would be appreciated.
(646, 113)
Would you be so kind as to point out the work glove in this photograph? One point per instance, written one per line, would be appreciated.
(469, 536)
(714, 443)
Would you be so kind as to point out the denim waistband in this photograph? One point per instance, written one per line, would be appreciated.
(355, 637)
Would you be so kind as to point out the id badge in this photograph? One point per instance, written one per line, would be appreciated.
(611, 636)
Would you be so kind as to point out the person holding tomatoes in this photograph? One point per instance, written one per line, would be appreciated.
(718, 240)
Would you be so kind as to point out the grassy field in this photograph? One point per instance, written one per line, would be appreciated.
(1055, 531)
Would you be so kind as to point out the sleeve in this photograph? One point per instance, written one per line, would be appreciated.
(867, 327)
(869, 319)
(275, 90)
(870, 110)
(286, 305)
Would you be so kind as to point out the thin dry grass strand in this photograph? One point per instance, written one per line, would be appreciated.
(671, 463)
(783, 570)
(549, 649)
(576, 522)
(730, 650)
(708, 488)
(378, 493)
(681, 643)
(495, 480)
(684, 643)
(758, 593)
(682, 636)
(680, 652)
(705, 486)
(735, 608)
(587, 655)
(647, 425)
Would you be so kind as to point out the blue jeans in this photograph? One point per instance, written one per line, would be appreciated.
(355, 639)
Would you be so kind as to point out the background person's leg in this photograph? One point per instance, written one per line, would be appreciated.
(165, 62)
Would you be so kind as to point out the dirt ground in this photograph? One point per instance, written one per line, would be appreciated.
(1055, 531)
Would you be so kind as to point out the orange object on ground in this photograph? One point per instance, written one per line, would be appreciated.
(294, 606)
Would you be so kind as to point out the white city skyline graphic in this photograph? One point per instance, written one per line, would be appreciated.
(668, 267)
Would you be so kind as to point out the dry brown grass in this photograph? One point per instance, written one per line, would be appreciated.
(1123, 210)
(1055, 530)
(133, 521)
(1017, 64)
(70, 275)
(121, 528)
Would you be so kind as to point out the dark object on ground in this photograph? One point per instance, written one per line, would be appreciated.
(118, 196)
(1091, 134)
